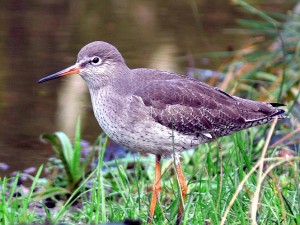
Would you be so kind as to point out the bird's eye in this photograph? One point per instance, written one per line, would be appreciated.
(96, 60)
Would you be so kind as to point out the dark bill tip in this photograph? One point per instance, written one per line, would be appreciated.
(68, 71)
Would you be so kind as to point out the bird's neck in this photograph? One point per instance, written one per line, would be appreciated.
(113, 82)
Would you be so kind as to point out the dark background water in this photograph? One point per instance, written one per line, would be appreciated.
(41, 37)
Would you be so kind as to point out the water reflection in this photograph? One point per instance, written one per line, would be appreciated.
(41, 37)
(71, 104)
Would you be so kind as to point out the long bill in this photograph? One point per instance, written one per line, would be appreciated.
(75, 69)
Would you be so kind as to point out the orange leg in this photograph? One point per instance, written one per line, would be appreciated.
(156, 188)
(183, 189)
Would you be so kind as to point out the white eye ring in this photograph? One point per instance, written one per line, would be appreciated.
(96, 60)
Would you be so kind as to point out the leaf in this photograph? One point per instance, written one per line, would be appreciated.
(76, 169)
(53, 141)
(66, 147)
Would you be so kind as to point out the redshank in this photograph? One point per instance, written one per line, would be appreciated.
(160, 112)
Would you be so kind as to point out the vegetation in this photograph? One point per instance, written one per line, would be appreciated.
(70, 157)
(219, 183)
(249, 177)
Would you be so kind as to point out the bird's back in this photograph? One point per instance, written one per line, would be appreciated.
(195, 108)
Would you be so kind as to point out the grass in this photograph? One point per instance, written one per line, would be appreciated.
(13, 209)
(238, 179)
(114, 191)
(70, 156)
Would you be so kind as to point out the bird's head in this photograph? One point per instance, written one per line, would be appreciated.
(96, 61)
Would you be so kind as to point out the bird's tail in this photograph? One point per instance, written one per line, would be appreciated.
(279, 113)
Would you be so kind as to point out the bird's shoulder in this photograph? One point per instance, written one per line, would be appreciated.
(192, 107)
(163, 88)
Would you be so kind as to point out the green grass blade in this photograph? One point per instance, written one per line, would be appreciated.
(58, 149)
(77, 170)
(101, 192)
(53, 141)
(68, 154)
(28, 198)
(67, 148)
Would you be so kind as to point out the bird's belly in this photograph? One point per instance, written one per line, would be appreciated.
(143, 134)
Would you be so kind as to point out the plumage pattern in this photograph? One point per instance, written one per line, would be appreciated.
(194, 108)
(143, 109)
(160, 112)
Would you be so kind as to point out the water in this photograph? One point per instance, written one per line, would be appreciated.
(38, 38)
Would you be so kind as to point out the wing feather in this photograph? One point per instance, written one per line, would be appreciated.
(192, 107)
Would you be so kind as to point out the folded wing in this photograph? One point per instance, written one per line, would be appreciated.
(194, 108)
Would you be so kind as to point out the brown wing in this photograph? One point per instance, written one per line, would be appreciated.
(192, 107)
